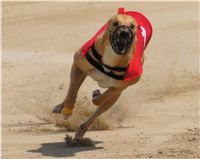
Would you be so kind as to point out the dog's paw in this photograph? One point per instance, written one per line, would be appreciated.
(58, 109)
(96, 94)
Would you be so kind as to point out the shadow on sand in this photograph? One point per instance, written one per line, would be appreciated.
(59, 149)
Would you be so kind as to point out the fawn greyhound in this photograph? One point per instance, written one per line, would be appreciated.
(113, 58)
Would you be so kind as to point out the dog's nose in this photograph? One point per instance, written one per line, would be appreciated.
(124, 34)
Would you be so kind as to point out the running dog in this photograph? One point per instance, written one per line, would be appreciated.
(113, 57)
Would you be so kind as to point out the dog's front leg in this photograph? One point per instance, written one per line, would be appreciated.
(105, 101)
(77, 77)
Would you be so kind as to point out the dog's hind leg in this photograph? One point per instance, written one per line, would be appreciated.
(105, 101)
(77, 77)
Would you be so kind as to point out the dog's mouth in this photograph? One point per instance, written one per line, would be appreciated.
(121, 39)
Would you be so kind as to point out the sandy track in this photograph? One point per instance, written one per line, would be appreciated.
(160, 117)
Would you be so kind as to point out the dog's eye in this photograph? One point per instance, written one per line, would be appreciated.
(132, 26)
(115, 24)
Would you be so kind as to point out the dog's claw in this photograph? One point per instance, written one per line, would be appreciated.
(96, 94)
(58, 109)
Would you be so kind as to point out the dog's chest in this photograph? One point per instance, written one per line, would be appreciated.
(109, 57)
(103, 80)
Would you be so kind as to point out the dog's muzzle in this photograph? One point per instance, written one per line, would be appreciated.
(121, 39)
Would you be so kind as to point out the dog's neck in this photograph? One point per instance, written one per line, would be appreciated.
(112, 59)
(109, 57)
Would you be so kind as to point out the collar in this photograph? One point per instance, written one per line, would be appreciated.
(108, 70)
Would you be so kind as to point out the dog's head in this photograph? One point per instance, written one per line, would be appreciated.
(122, 33)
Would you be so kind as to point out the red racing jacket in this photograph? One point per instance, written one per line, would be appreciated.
(144, 33)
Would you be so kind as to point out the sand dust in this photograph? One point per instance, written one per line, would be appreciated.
(83, 109)
(156, 118)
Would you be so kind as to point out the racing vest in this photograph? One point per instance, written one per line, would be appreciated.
(143, 34)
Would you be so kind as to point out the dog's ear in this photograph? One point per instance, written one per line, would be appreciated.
(110, 21)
